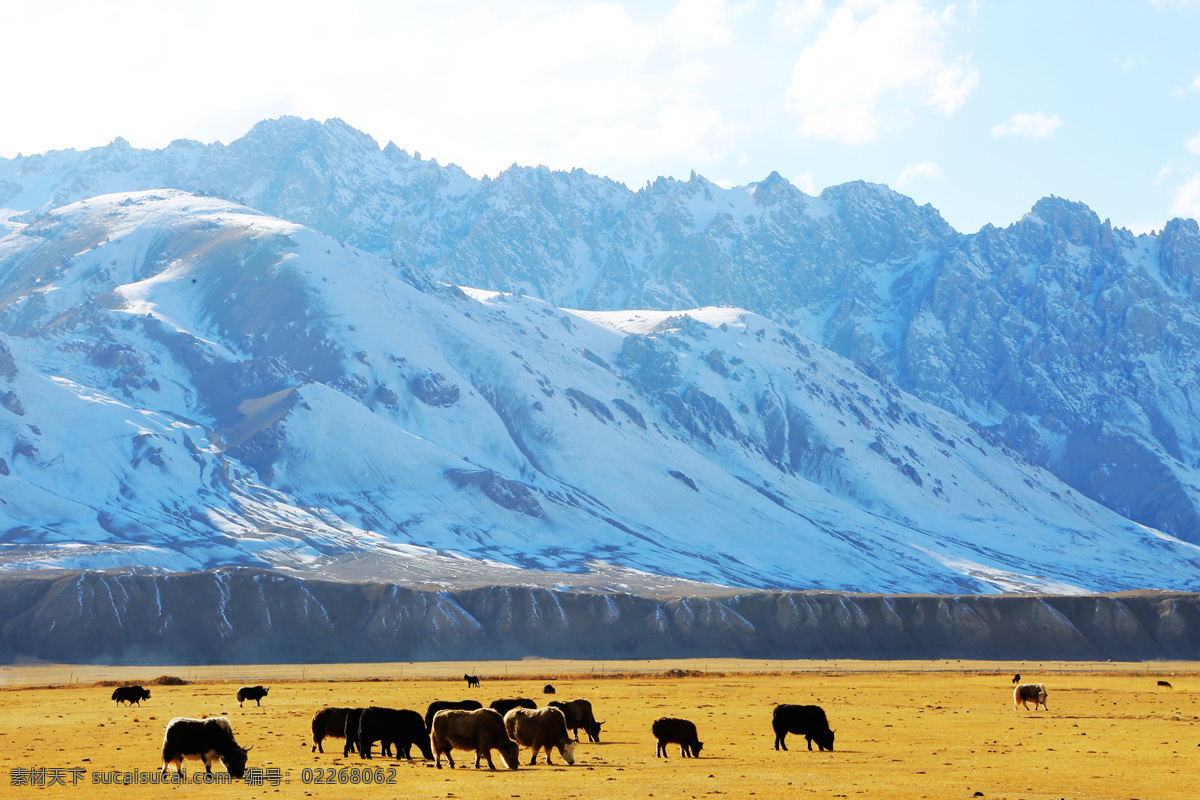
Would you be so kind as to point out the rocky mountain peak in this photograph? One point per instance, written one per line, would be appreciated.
(1179, 245)
(1071, 220)
(884, 225)
(773, 190)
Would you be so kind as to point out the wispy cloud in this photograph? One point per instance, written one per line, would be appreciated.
(1193, 144)
(1186, 202)
(926, 169)
(872, 63)
(1031, 126)
(1127, 64)
(804, 182)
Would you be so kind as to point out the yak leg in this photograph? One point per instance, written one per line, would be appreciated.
(484, 752)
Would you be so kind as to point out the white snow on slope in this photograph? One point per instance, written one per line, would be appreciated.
(203, 385)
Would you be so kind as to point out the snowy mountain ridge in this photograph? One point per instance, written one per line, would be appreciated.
(1070, 341)
(186, 384)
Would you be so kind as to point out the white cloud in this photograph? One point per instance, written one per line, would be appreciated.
(699, 24)
(589, 87)
(597, 84)
(804, 182)
(873, 61)
(1031, 126)
(797, 17)
(1163, 173)
(693, 133)
(1193, 144)
(926, 169)
(1186, 202)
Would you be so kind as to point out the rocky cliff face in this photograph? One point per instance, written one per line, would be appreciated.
(1067, 340)
(249, 616)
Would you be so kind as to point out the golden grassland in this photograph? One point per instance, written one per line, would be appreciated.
(904, 729)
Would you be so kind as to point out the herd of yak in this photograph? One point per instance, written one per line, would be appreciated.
(506, 726)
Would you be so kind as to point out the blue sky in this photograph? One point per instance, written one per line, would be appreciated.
(979, 108)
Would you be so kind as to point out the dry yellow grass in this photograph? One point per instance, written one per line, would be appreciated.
(911, 730)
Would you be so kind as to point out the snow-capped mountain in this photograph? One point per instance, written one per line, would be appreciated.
(187, 383)
(1067, 340)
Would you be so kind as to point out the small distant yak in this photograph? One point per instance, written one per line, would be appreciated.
(206, 739)
(330, 721)
(401, 727)
(472, 681)
(481, 730)
(1017, 678)
(578, 713)
(670, 730)
(1030, 691)
(255, 693)
(1165, 684)
(502, 707)
(807, 721)
(130, 695)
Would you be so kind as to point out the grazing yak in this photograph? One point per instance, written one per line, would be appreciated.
(453, 705)
(130, 695)
(1017, 678)
(205, 739)
(1030, 691)
(548, 689)
(579, 715)
(329, 721)
(353, 716)
(255, 693)
(480, 730)
(1164, 684)
(502, 707)
(678, 731)
(544, 728)
(472, 681)
(390, 726)
(806, 721)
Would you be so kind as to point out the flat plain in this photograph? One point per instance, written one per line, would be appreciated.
(904, 730)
